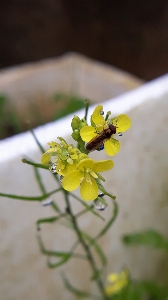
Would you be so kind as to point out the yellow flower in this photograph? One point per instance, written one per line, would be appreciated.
(84, 176)
(66, 157)
(117, 282)
(99, 126)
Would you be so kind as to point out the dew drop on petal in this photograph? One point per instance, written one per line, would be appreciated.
(46, 202)
(101, 112)
(99, 205)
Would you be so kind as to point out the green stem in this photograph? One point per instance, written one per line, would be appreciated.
(86, 247)
(87, 103)
(25, 160)
(104, 191)
(34, 198)
(38, 143)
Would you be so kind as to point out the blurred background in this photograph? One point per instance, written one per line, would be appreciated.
(129, 34)
(126, 35)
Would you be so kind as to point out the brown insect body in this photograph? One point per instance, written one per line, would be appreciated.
(98, 141)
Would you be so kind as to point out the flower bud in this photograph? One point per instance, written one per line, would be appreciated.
(82, 123)
(75, 123)
(76, 134)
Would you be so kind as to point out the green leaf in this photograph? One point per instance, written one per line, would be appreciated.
(154, 290)
(148, 237)
(130, 292)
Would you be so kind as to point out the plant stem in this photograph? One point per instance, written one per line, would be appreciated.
(34, 198)
(86, 247)
(25, 160)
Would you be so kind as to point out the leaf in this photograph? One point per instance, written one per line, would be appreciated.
(154, 290)
(149, 237)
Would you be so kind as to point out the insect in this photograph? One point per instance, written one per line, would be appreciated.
(97, 143)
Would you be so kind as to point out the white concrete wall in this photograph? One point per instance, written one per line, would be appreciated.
(139, 180)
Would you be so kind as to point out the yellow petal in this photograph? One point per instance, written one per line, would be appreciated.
(87, 133)
(103, 165)
(46, 158)
(122, 123)
(85, 163)
(97, 118)
(112, 146)
(70, 168)
(71, 181)
(89, 191)
(65, 169)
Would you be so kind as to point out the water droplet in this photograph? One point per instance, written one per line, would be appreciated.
(101, 194)
(46, 202)
(101, 112)
(99, 205)
(52, 168)
(120, 134)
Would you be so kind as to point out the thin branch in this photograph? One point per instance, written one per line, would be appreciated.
(34, 198)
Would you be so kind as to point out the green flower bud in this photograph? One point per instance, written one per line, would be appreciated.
(76, 134)
(75, 122)
(82, 123)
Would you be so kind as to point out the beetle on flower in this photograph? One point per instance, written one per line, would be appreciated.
(103, 129)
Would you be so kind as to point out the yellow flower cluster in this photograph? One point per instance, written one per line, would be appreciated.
(75, 166)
